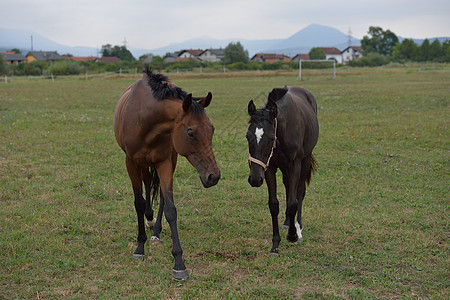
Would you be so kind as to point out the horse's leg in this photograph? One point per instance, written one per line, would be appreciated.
(300, 195)
(149, 221)
(139, 204)
(158, 226)
(286, 186)
(165, 171)
(305, 174)
(293, 174)
(274, 209)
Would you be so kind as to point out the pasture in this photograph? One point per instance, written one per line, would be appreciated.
(375, 215)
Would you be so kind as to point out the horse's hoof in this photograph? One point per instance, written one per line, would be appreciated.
(292, 239)
(273, 254)
(139, 256)
(155, 240)
(150, 224)
(180, 275)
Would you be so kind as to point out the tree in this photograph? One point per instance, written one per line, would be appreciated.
(406, 50)
(17, 51)
(379, 41)
(424, 51)
(235, 53)
(317, 53)
(118, 51)
(436, 51)
(3, 65)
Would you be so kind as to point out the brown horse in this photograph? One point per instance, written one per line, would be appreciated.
(154, 121)
(283, 135)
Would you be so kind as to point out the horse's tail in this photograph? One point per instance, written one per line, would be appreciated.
(152, 188)
(313, 165)
(154, 184)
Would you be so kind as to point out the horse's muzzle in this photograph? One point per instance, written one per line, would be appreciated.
(212, 180)
(255, 181)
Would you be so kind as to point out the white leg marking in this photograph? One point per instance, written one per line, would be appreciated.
(259, 132)
(151, 223)
(299, 231)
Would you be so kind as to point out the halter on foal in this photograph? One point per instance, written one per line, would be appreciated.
(154, 121)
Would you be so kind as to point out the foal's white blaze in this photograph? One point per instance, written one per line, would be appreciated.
(299, 230)
(259, 132)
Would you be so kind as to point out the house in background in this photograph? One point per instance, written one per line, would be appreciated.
(300, 56)
(12, 57)
(43, 56)
(190, 54)
(170, 57)
(270, 57)
(212, 55)
(351, 53)
(332, 53)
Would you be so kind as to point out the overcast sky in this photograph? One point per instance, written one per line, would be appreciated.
(151, 24)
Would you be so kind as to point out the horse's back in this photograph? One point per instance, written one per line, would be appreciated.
(303, 96)
(128, 112)
(298, 108)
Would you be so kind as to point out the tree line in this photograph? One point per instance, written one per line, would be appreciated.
(383, 46)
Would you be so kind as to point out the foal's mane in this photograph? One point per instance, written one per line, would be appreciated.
(162, 87)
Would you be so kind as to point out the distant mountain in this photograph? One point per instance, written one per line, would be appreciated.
(300, 42)
(313, 36)
(21, 39)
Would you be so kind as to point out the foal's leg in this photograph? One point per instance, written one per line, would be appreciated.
(293, 174)
(165, 172)
(300, 195)
(274, 209)
(305, 174)
(286, 186)
(139, 204)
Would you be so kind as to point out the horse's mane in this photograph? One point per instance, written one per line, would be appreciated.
(162, 87)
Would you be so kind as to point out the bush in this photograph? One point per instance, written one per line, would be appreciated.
(65, 68)
(372, 59)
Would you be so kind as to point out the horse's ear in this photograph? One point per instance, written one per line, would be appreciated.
(187, 102)
(206, 101)
(251, 108)
(272, 107)
(277, 93)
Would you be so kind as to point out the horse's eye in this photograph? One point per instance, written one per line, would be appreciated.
(190, 133)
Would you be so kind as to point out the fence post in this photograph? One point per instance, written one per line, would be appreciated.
(53, 79)
(6, 79)
(300, 69)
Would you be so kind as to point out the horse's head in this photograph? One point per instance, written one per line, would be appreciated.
(261, 137)
(192, 138)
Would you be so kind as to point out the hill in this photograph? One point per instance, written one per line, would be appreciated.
(302, 41)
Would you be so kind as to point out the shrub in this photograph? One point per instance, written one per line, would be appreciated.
(65, 68)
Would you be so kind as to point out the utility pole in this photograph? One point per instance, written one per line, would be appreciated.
(31, 43)
(349, 37)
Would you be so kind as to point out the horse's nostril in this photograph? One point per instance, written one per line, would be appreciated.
(212, 179)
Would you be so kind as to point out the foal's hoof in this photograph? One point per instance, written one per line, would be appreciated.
(155, 240)
(180, 275)
(273, 254)
(292, 238)
(139, 256)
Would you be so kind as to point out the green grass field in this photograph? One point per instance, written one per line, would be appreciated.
(375, 215)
